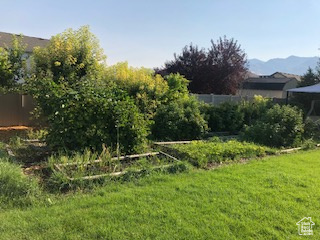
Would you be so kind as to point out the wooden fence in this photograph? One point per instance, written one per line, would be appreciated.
(15, 110)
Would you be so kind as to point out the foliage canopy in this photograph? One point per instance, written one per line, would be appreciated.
(219, 70)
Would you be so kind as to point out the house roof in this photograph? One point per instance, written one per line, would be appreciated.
(287, 75)
(268, 80)
(30, 42)
(276, 81)
(268, 83)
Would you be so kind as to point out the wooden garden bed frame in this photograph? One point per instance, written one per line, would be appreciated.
(60, 166)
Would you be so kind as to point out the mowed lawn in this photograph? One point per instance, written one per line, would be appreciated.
(262, 199)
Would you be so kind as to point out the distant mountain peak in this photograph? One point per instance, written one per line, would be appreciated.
(292, 64)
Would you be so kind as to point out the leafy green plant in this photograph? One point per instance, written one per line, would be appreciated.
(86, 170)
(179, 120)
(281, 126)
(39, 134)
(88, 115)
(16, 189)
(225, 117)
(148, 90)
(255, 109)
(232, 117)
(12, 64)
(202, 153)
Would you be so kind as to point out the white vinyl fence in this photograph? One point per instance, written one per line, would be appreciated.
(218, 99)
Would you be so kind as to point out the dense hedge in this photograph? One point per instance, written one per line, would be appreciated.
(87, 115)
(232, 117)
(179, 120)
(280, 126)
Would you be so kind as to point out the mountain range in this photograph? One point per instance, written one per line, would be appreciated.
(292, 64)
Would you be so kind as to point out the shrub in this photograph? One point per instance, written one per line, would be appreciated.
(147, 90)
(179, 120)
(88, 114)
(232, 117)
(16, 189)
(254, 110)
(280, 126)
(224, 117)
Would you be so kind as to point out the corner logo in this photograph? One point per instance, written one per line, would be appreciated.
(305, 226)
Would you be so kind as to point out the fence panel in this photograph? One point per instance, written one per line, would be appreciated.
(218, 99)
(15, 110)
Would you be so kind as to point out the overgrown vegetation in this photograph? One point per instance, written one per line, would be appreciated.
(85, 171)
(201, 153)
(280, 126)
(16, 189)
(87, 115)
(233, 117)
(179, 120)
(88, 107)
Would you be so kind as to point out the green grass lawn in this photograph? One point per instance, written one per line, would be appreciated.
(262, 199)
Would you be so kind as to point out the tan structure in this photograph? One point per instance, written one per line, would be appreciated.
(15, 108)
(273, 86)
(30, 42)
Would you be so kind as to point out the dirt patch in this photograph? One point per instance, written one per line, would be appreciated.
(8, 132)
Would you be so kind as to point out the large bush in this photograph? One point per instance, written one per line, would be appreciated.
(179, 120)
(69, 56)
(255, 109)
(224, 117)
(88, 114)
(83, 108)
(232, 117)
(148, 90)
(280, 126)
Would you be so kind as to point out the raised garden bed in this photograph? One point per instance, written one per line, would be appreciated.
(116, 166)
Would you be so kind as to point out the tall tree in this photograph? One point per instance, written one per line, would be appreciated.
(69, 56)
(192, 63)
(219, 70)
(228, 66)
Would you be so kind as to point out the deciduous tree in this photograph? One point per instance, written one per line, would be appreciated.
(70, 56)
(218, 70)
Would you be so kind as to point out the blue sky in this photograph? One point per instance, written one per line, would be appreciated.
(148, 32)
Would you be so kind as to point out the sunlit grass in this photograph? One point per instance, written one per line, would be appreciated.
(261, 199)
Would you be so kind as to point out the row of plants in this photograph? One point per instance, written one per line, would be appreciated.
(202, 153)
(85, 103)
(89, 169)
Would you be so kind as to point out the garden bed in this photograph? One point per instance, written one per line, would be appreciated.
(205, 153)
(116, 166)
